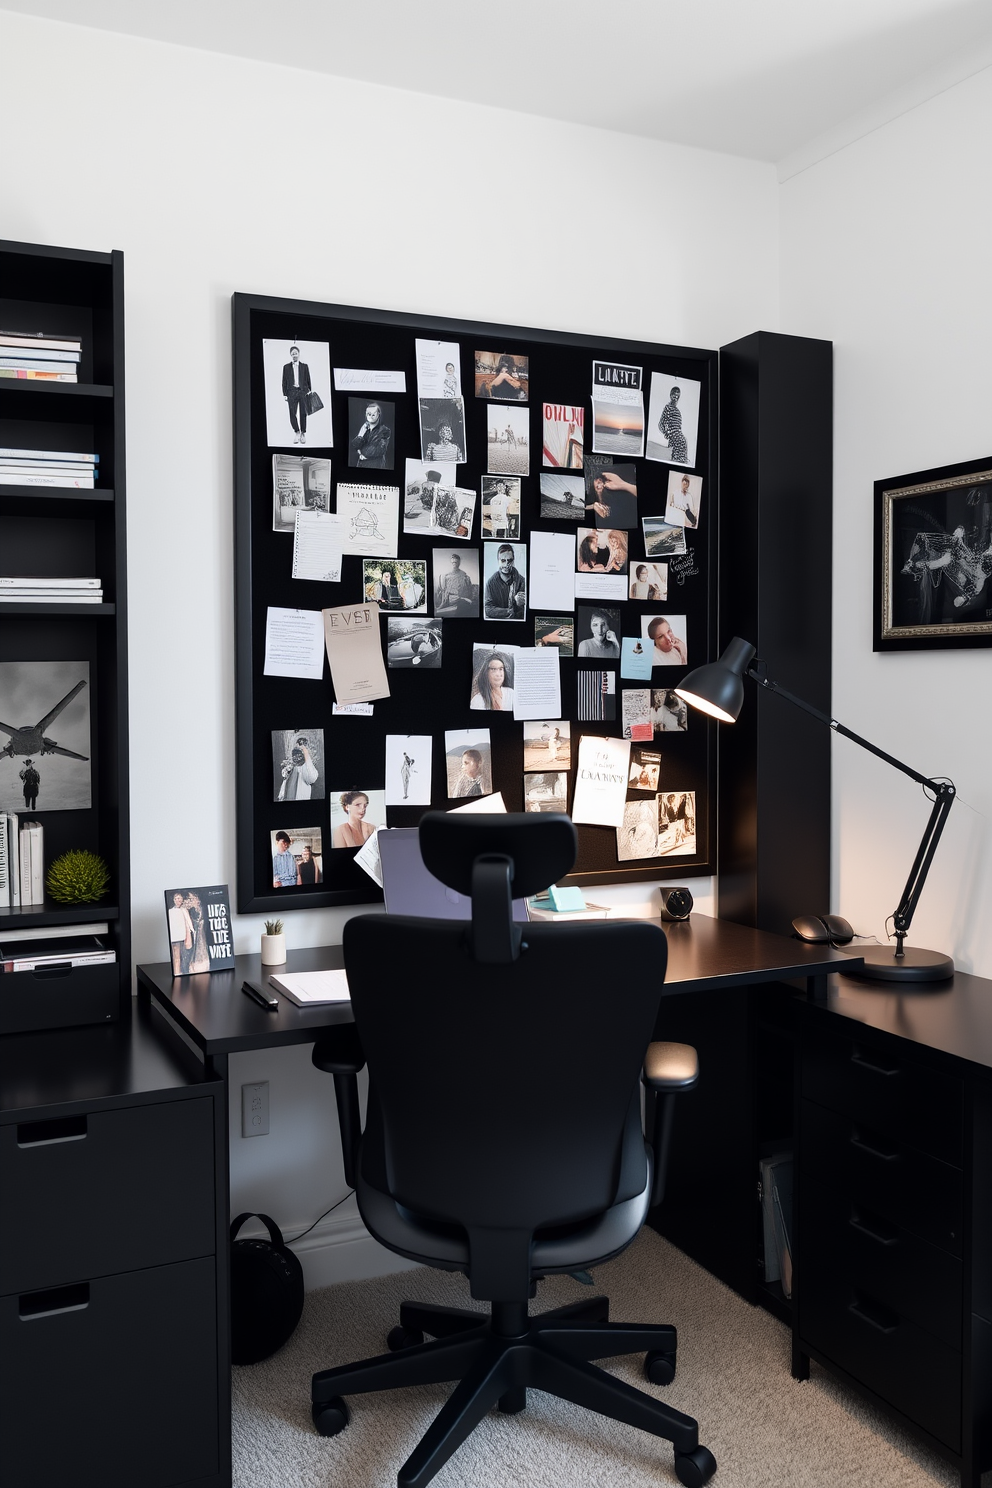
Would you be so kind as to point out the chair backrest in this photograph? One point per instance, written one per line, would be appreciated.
(501, 1090)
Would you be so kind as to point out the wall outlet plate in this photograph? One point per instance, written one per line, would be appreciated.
(255, 1110)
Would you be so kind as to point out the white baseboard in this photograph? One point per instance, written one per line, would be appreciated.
(340, 1248)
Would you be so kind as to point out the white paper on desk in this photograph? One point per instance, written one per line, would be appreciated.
(536, 682)
(367, 856)
(552, 572)
(354, 653)
(477, 803)
(599, 585)
(294, 643)
(368, 380)
(306, 987)
(317, 546)
(601, 781)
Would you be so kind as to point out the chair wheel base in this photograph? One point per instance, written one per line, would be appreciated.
(693, 1469)
(400, 1338)
(330, 1416)
(659, 1367)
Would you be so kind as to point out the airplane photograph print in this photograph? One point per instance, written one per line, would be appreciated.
(45, 733)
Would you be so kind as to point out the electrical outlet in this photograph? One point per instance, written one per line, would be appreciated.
(255, 1110)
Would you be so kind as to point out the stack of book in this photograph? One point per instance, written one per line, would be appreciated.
(25, 589)
(40, 358)
(30, 467)
(22, 863)
(33, 955)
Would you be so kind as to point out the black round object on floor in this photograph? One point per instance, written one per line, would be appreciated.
(883, 965)
(659, 1367)
(330, 1417)
(266, 1293)
(693, 1469)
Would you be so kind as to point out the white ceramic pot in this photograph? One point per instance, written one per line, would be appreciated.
(273, 950)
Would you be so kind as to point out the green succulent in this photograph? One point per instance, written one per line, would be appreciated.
(77, 877)
(273, 927)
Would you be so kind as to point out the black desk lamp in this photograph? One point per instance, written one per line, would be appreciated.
(718, 689)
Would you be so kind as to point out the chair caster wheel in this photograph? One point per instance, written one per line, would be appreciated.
(693, 1469)
(330, 1416)
(400, 1338)
(659, 1367)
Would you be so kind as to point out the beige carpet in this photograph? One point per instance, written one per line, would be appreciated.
(766, 1430)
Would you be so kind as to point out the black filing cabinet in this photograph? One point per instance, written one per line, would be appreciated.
(114, 1366)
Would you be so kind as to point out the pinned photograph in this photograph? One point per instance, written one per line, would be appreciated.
(492, 678)
(433, 504)
(564, 434)
(45, 739)
(563, 498)
(297, 858)
(501, 506)
(371, 422)
(413, 643)
(442, 430)
(298, 764)
(645, 769)
(504, 580)
(297, 393)
(635, 658)
(601, 550)
(456, 583)
(662, 539)
(669, 712)
(685, 494)
(547, 791)
(395, 584)
(370, 519)
(638, 837)
(298, 484)
(676, 823)
(438, 369)
(508, 441)
(611, 495)
(598, 632)
(667, 635)
(468, 763)
(408, 769)
(649, 581)
(673, 419)
(502, 375)
(547, 744)
(555, 630)
(199, 922)
(597, 697)
(355, 814)
(617, 409)
(635, 713)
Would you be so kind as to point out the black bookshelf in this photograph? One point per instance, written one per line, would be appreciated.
(51, 531)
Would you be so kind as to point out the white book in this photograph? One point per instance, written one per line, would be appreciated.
(28, 362)
(59, 932)
(32, 863)
(28, 581)
(24, 852)
(48, 596)
(39, 351)
(31, 963)
(55, 456)
(46, 467)
(51, 343)
(13, 860)
(80, 482)
(309, 988)
(4, 871)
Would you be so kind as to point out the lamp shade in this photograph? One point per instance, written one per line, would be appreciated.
(718, 687)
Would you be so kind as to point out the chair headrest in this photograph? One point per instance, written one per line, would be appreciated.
(541, 846)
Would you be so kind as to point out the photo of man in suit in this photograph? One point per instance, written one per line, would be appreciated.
(295, 387)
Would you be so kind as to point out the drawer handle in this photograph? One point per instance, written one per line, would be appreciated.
(49, 973)
(45, 1133)
(876, 1067)
(876, 1317)
(857, 1140)
(857, 1223)
(53, 1302)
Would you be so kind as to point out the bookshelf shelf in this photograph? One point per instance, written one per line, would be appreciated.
(49, 913)
(53, 494)
(50, 607)
(23, 388)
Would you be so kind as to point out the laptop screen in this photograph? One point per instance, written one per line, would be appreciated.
(410, 890)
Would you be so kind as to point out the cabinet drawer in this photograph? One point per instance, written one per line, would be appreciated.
(31, 1000)
(921, 1107)
(872, 1255)
(105, 1192)
(907, 1366)
(886, 1177)
(112, 1382)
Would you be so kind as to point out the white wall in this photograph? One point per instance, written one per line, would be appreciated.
(216, 174)
(885, 250)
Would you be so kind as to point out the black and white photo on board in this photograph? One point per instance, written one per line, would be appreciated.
(669, 712)
(501, 506)
(563, 497)
(508, 440)
(564, 436)
(547, 744)
(414, 643)
(468, 763)
(408, 769)
(297, 378)
(397, 584)
(673, 419)
(546, 791)
(45, 736)
(442, 430)
(597, 629)
(596, 696)
(456, 583)
(299, 483)
(297, 857)
(434, 504)
(557, 631)
(504, 581)
(611, 495)
(661, 826)
(662, 539)
(492, 679)
(298, 764)
(502, 375)
(371, 430)
(685, 494)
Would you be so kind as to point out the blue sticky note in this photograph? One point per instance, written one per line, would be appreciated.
(635, 658)
(566, 898)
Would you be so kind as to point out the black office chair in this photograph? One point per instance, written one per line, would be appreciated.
(503, 1135)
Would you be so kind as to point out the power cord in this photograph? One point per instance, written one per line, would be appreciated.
(320, 1217)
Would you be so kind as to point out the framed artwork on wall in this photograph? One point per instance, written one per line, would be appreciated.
(933, 559)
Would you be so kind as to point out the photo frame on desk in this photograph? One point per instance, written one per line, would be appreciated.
(416, 361)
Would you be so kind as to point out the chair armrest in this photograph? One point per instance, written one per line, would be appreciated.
(339, 1053)
(669, 1069)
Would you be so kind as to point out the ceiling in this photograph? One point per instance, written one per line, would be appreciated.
(767, 79)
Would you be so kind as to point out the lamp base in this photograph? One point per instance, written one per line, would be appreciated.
(914, 965)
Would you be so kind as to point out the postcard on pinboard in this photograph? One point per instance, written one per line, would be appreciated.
(673, 420)
(370, 518)
(297, 379)
(564, 432)
(408, 769)
(354, 653)
(502, 375)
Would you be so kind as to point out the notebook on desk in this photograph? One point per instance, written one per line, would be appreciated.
(410, 890)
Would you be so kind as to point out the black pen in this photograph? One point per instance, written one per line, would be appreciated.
(270, 1004)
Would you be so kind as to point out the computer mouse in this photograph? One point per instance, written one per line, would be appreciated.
(840, 931)
(811, 928)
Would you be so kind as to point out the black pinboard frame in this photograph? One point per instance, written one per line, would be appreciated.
(560, 371)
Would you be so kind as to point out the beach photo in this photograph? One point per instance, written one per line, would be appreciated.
(547, 744)
(508, 440)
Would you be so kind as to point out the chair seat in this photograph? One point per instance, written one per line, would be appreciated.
(565, 1248)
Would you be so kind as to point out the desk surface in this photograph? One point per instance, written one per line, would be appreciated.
(703, 955)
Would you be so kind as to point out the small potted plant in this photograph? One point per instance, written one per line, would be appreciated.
(273, 944)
